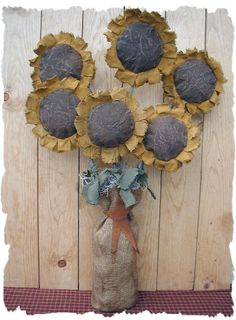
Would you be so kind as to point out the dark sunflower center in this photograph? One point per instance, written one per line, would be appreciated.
(61, 61)
(57, 113)
(139, 47)
(110, 124)
(194, 81)
(166, 137)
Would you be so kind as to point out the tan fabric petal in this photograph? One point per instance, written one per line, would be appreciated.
(139, 150)
(69, 82)
(84, 141)
(93, 152)
(154, 19)
(39, 131)
(49, 142)
(110, 36)
(206, 106)
(192, 108)
(164, 108)
(131, 143)
(110, 155)
(126, 76)
(46, 42)
(140, 128)
(115, 27)
(123, 150)
(193, 140)
(63, 145)
(154, 76)
(193, 132)
(33, 107)
(32, 101)
(81, 126)
(185, 156)
(172, 165)
(112, 59)
(148, 157)
(64, 37)
(214, 98)
(74, 141)
(77, 44)
(32, 117)
(149, 112)
(142, 78)
(193, 144)
(169, 87)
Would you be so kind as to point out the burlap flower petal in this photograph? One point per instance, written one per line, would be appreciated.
(33, 107)
(193, 140)
(78, 44)
(170, 89)
(109, 154)
(153, 75)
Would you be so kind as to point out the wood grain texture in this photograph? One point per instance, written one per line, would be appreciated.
(147, 212)
(19, 185)
(94, 25)
(147, 216)
(214, 267)
(58, 188)
(178, 238)
(180, 190)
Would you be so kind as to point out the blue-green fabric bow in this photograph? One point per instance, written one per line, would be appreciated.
(97, 183)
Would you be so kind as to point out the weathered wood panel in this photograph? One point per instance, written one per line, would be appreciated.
(147, 212)
(19, 185)
(58, 188)
(183, 234)
(180, 190)
(214, 267)
(94, 26)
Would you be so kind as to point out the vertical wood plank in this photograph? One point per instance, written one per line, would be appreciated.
(58, 173)
(214, 267)
(19, 185)
(180, 190)
(58, 188)
(147, 216)
(94, 25)
(147, 211)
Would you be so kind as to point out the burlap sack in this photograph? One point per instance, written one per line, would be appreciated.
(115, 282)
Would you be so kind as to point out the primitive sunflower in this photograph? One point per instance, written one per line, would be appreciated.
(142, 47)
(170, 138)
(51, 109)
(109, 125)
(195, 81)
(62, 55)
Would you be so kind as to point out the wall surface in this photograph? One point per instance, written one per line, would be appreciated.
(184, 234)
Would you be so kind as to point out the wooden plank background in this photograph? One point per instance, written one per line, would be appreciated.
(180, 190)
(184, 234)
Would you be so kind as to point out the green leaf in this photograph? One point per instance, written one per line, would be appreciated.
(127, 197)
(127, 177)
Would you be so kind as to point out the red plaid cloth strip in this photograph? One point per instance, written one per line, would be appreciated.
(38, 301)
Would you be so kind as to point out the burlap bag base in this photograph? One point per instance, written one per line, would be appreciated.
(115, 282)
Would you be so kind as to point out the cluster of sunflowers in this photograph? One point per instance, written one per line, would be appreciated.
(109, 124)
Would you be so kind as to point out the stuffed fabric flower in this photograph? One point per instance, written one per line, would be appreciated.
(142, 47)
(62, 55)
(52, 109)
(170, 138)
(99, 183)
(109, 125)
(195, 81)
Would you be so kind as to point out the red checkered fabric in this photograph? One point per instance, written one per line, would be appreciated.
(36, 301)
